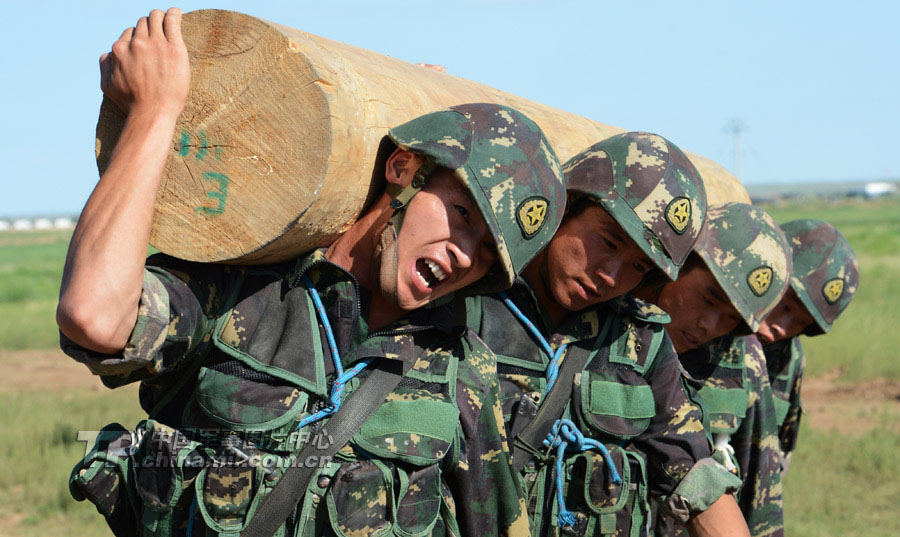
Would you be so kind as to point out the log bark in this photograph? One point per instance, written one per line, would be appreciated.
(273, 154)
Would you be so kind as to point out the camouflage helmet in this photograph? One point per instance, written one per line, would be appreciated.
(650, 187)
(825, 274)
(508, 166)
(749, 256)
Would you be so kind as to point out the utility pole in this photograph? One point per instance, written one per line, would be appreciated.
(736, 127)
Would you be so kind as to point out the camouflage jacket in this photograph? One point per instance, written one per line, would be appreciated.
(785, 362)
(230, 359)
(736, 395)
(629, 395)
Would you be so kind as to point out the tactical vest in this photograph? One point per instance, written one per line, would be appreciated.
(230, 430)
(724, 392)
(783, 363)
(611, 402)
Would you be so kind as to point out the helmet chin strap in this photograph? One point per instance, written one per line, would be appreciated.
(386, 254)
(385, 258)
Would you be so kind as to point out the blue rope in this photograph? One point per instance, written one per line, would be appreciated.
(563, 434)
(337, 387)
(555, 357)
(192, 512)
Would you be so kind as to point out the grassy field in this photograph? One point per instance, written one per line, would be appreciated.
(841, 482)
(40, 450)
(30, 269)
(844, 484)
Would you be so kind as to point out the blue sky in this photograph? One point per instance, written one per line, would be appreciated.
(817, 84)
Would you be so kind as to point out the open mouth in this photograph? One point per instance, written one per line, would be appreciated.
(429, 273)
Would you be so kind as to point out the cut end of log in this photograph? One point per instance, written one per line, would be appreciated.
(238, 174)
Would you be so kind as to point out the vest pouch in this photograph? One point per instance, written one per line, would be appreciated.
(600, 493)
(637, 510)
(417, 423)
(105, 478)
(230, 488)
(274, 332)
(781, 410)
(411, 433)
(242, 399)
(616, 401)
(446, 523)
(591, 496)
(600, 506)
(421, 496)
(360, 499)
(726, 407)
(165, 466)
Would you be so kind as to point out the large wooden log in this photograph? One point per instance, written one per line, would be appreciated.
(273, 154)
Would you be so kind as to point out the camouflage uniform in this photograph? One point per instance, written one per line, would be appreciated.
(232, 359)
(629, 395)
(737, 398)
(825, 278)
(785, 363)
(750, 259)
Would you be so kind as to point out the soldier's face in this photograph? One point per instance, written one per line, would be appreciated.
(788, 320)
(591, 259)
(700, 310)
(444, 243)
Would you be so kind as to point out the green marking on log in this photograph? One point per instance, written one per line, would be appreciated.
(185, 143)
(218, 153)
(203, 147)
(220, 194)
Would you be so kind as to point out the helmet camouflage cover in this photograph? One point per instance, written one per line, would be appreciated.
(826, 272)
(508, 166)
(749, 256)
(650, 187)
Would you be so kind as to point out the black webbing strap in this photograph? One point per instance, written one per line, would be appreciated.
(529, 442)
(281, 502)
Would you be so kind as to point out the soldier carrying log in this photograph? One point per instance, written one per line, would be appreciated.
(251, 375)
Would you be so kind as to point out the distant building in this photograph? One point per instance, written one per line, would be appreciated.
(875, 189)
(829, 191)
(4, 225)
(22, 225)
(43, 223)
(63, 223)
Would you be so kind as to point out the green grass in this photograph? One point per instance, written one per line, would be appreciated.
(871, 227)
(39, 450)
(842, 485)
(30, 271)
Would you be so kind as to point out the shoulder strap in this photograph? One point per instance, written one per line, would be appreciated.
(528, 443)
(281, 502)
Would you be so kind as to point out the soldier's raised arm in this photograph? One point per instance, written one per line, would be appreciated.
(147, 75)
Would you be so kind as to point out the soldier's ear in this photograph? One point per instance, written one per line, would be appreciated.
(401, 167)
